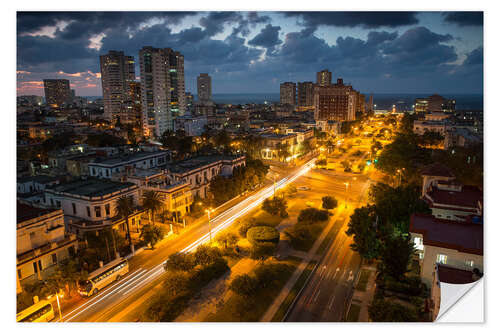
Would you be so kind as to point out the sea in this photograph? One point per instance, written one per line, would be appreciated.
(403, 102)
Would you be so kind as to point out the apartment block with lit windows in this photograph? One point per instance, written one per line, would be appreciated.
(117, 72)
(162, 89)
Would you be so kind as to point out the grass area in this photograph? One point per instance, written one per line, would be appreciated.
(328, 238)
(363, 280)
(251, 309)
(353, 314)
(287, 302)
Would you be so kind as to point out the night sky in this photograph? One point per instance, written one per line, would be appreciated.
(252, 52)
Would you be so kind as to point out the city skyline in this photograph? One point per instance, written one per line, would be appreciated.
(415, 52)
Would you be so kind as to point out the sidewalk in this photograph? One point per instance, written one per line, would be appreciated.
(363, 299)
(269, 314)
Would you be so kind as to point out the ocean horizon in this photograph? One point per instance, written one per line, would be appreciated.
(385, 101)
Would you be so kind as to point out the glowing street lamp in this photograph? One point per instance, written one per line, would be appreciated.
(208, 211)
(58, 303)
(346, 186)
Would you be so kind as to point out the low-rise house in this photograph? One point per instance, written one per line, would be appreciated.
(91, 204)
(449, 199)
(199, 171)
(448, 252)
(461, 137)
(459, 245)
(116, 167)
(41, 242)
(273, 142)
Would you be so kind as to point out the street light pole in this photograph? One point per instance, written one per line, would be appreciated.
(210, 210)
(59, 305)
(346, 185)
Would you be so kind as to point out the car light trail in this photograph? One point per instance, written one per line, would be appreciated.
(141, 277)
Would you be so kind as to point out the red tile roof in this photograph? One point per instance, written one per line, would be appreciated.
(437, 169)
(453, 275)
(467, 198)
(460, 236)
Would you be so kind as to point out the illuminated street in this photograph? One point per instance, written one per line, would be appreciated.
(146, 267)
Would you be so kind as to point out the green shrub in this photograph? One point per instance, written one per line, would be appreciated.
(262, 250)
(247, 224)
(329, 202)
(244, 285)
(206, 255)
(312, 215)
(302, 237)
(180, 261)
(261, 234)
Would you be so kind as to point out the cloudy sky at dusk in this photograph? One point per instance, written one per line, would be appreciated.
(252, 52)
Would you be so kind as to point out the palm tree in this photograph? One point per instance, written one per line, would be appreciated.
(151, 201)
(125, 208)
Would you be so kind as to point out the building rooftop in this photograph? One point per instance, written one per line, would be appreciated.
(42, 179)
(437, 169)
(467, 197)
(453, 275)
(199, 161)
(110, 161)
(27, 212)
(91, 187)
(461, 236)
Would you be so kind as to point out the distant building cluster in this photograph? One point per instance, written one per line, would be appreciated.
(330, 102)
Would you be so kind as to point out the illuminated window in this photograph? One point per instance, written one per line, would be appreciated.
(442, 258)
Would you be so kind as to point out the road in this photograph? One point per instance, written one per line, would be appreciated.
(324, 297)
(147, 267)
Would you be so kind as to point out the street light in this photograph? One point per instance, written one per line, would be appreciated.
(346, 186)
(58, 303)
(209, 210)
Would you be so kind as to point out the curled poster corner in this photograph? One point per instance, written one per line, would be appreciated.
(459, 304)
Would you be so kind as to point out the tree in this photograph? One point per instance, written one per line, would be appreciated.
(151, 201)
(312, 215)
(283, 151)
(329, 202)
(275, 206)
(244, 285)
(179, 261)
(395, 257)
(125, 208)
(290, 189)
(206, 255)
(152, 234)
(363, 226)
(228, 238)
(263, 234)
(386, 311)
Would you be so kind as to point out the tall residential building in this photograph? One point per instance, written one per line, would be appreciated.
(204, 87)
(335, 102)
(162, 89)
(189, 102)
(57, 92)
(324, 78)
(134, 102)
(305, 94)
(117, 71)
(288, 93)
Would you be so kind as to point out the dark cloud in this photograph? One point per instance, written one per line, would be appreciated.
(92, 22)
(268, 37)
(475, 57)
(214, 22)
(367, 20)
(410, 57)
(464, 18)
